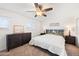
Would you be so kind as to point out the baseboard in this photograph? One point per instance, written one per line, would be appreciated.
(3, 50)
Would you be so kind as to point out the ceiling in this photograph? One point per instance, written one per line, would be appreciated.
(16, 6)
(21, 7)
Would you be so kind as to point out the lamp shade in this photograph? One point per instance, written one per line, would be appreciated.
(68, 30)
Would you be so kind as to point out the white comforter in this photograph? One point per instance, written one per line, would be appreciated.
(53, 43)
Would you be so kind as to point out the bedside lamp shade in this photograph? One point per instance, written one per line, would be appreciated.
(68, 30)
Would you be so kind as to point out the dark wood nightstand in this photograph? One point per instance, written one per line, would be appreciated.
(42, 33)
(70, 40)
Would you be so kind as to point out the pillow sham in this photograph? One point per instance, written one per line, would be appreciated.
(55, 31)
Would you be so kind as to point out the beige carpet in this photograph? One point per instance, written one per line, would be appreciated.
(27, 50)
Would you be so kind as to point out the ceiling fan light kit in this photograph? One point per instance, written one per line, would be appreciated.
(39, 13)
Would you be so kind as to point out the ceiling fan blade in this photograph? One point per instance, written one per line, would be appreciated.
(35, 16)
(36, 5)
(29, 11)
(44, 15)
(48, 9)
(40, 7)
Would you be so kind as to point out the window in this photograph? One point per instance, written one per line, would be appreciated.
(3, 22)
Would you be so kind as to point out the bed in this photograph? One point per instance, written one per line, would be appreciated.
(52, 41)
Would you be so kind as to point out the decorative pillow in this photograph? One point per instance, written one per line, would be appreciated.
(55, 31)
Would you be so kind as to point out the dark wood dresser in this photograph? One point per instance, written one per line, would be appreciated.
(70, 40)
(16, 40)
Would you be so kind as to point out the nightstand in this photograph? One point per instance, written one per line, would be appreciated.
(42, 33)
(70, 40)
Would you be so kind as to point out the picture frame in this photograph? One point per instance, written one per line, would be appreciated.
(54, 24)
(18, 29)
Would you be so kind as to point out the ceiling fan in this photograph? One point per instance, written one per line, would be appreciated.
(40, 11)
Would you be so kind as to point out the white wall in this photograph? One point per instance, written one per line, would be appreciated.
(77, 22)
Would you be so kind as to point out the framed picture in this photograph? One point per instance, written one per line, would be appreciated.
(54, 24)
(18, 29)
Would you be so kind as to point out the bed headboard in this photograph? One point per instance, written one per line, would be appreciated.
(55, 31)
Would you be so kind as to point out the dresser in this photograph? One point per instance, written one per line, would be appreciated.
(70, 40)
(16, 40)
